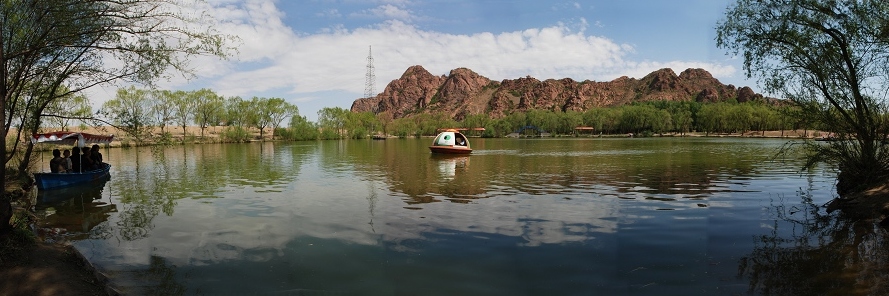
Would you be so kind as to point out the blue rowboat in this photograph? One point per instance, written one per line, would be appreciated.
(60, 180)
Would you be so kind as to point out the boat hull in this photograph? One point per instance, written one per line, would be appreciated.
(61, 180)
(450, 149)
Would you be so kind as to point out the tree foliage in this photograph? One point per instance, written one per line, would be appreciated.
(51, 50)
(131, 110)
(271, 112)
(831, 58)
(209, 108)
(163, 108)
(61, 112)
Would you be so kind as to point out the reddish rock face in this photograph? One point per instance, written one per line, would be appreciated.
(464, 92)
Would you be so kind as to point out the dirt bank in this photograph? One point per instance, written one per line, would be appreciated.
(870, 205)
(47, 269)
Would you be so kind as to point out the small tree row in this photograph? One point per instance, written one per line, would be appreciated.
(656, 117)
(138, 111)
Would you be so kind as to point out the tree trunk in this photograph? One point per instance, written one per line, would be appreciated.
(5, 213)
(4, 93)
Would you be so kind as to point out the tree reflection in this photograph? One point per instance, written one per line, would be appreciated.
(809, 252)
(157, 178)
(160, 278)
(664, 169)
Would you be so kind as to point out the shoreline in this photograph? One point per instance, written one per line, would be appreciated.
(213, 135)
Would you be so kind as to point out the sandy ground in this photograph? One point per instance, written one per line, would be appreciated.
(48, 269)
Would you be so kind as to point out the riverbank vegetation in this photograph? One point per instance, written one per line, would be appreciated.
(831, 59)
(54, 50)
(148, 117)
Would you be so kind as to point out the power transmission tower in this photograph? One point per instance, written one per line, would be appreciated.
(370, 77)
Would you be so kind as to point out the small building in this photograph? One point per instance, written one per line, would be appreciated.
(584, 130)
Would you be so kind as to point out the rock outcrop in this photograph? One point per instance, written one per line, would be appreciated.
(463, 92)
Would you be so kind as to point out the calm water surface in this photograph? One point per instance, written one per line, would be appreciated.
(668, 216)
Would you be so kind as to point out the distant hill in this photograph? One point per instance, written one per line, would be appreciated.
(464, 92)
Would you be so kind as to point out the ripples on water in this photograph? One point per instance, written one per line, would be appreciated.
(518, 217)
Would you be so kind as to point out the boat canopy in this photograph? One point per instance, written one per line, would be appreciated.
(71, 138)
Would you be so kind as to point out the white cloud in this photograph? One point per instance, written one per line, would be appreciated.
(387, 11)
(330, 13)
(274, 59)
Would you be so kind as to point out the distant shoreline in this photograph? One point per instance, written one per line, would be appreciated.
(213, 135)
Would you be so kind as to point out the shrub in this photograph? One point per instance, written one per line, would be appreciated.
(235, 134)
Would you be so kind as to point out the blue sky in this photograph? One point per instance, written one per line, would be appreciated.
(313, 53)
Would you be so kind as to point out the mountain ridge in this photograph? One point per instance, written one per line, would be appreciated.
(464, 92)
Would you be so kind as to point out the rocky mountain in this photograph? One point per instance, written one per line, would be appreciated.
(463, 92)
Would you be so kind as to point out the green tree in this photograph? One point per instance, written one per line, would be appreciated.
(208, 108)
(183, 109)
(362, 124)
(131, 111)
(60, 112)
(49, 46)
(270, 112)
(831, 59)
(498, 128)
(303, 129)
(403, 127)
(332, 121)
(237, 114)
(713, 118)
(567, 121)
(385, 119)
(682, 120)
(515, 120)
(163, 108)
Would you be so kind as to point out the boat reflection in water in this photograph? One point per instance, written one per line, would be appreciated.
(449, 164)
(73, 212)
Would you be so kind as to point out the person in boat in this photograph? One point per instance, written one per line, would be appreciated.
(66, 155)
(76, 160)
(96, 156)
(56, 163)
(86, 162)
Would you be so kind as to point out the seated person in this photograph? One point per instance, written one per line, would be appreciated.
(66, 156)
(76, 160)
(56, 163)
(95, 155)
(86, 161)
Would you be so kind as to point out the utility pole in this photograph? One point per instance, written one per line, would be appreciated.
(370, 77)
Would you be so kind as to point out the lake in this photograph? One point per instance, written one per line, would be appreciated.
(574, 216)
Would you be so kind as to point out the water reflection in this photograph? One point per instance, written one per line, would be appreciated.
(553, 217)
(155, 179)
(74, 211)
(659, 169)
(449, 165)
(809, 252)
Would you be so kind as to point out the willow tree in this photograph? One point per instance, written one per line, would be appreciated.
(270, 112)
(130, 110)
(831, 58)
(208, 109)
(47, 46)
